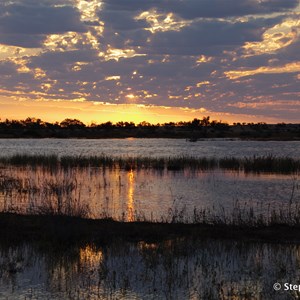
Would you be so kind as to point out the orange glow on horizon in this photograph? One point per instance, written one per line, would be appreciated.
(97, 112)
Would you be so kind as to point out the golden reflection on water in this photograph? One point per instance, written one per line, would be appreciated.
(130, 202)
(91, 256)
(147, 246)
(167, 244)
(127, 195)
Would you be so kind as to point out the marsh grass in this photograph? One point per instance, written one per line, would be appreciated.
(32, 160)
(58, 199)
(271, 164)
(60, 194)
(255, 164)
(52, 196)
(9, 183)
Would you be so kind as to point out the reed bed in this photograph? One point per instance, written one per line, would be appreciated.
(62, 194)
(60, 198)
(255, 164)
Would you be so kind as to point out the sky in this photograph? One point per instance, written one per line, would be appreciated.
(150, 60)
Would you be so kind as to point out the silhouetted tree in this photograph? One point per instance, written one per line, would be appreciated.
(195, 123)
(129, 125)
(205, 121)
(72, 123)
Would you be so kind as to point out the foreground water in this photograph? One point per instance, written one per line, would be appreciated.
(178, 269)
(144, 194)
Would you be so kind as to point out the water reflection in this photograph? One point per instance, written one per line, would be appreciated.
(129, 195)
(130, 203)
(91, 256)
(174, 269)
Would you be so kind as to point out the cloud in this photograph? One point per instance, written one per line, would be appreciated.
(121, 20)
(27, 25)
(230, 8)
(208, 37)
(293, 67)
(189, 53)
(291, 52)
(22, 40)
(153, 33)
(7, 68)
(57, 59)
(191, 9)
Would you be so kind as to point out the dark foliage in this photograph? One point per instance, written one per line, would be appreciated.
(192, 130)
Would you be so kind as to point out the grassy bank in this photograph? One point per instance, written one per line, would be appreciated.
(256, 164)
(17, 228)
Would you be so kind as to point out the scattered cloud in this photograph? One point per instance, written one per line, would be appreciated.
(192, 9)
(293, 67)
(221, 56)
(27, 24)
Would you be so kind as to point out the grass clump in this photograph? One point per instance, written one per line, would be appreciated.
(33, 160)
(255, 164)
(271, 164)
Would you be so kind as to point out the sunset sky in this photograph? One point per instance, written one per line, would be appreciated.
(152, 60)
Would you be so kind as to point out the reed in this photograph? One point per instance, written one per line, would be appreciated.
(271, 164)
(255, 164)
(56, 192)
(33, 160)
(60, 196)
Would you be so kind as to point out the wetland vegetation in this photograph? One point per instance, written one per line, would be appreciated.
(256, 164)
(123, 226)
(102, 187)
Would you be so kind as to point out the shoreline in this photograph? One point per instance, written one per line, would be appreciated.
(188, 139)
(64, 229)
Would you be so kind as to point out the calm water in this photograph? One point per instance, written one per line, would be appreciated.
(149, 147)
(155, 195)
(174, 269)
(197, 269)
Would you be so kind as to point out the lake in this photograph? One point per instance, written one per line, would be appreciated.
(146, 194)
(150, 147)
(170, 269)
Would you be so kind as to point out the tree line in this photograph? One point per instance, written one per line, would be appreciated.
(75, 123)
(193, 130)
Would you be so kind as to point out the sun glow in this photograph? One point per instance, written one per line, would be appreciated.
(18, 107)
(110, 61)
